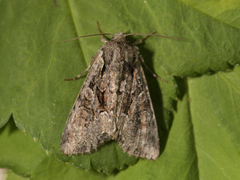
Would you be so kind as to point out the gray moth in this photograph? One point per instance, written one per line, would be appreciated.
(113, 104)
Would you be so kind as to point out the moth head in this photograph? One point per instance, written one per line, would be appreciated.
(119, 36)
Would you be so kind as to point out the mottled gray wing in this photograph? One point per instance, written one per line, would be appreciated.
(138, 133)
(88, 126)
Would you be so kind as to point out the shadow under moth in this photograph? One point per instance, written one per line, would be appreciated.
(114, 103)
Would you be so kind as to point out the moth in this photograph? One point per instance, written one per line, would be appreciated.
(114, 103)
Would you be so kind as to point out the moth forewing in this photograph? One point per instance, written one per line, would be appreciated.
(113, 103)
(79, 129)
(140, 133)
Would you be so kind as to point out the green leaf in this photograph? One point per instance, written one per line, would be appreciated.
(51, 168)
(214, 103)
(33, 67)
(12, 176)
(18, 151)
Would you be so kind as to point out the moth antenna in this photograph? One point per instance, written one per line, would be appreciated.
(153, 34)
(100, 34)
(103, 38)
(143, 39)
(168, 37)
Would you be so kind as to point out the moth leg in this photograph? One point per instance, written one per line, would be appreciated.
(89, 66)
(154, 75)
(143, 39)
(103, 38)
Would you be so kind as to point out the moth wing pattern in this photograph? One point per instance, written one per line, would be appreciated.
(113, 104)
(139, 134)
(82, 133)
